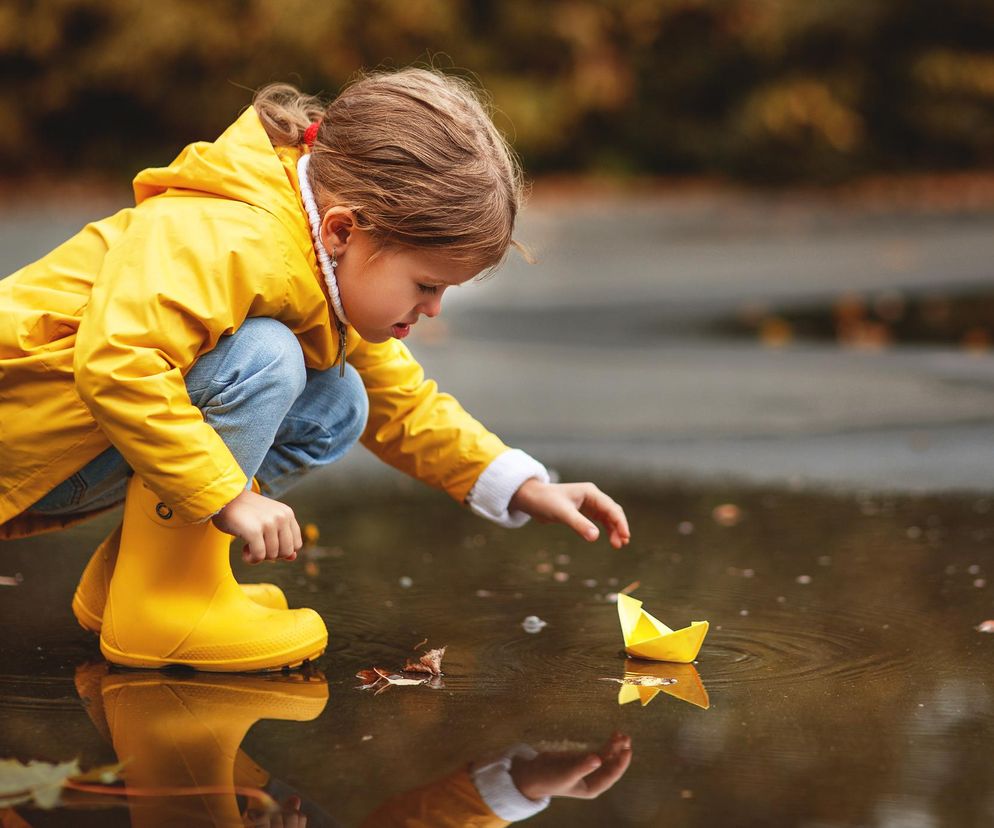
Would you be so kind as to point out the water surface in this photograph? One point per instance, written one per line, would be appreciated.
(845, 681)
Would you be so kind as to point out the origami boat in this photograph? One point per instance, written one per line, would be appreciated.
(648, 637)
(638, 683)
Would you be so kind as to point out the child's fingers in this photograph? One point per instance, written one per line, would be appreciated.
(255, 549)
(287, 548)
(599, 506)
(579, 524)
(272, 535)
(609, 772)
(298, 538)
(579, 768)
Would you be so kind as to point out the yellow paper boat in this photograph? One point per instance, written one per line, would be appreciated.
(647, 637)
(688, 686)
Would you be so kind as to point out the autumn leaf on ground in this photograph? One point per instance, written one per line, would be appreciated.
(430, 662)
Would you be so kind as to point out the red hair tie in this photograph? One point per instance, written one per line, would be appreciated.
(311, 133)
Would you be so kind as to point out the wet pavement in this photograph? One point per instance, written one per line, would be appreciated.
(823, 502)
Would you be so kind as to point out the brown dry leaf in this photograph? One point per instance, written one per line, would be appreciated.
(368, 676)
(430, 662)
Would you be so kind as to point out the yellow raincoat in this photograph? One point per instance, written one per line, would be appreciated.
(96, 337)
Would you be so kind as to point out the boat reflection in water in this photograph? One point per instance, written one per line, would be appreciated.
(644, 680)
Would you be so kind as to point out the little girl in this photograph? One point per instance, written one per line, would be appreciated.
(197, 354)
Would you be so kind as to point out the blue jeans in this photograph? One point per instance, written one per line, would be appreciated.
(279, 419)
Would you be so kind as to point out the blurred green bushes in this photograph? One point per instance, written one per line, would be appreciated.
(760, 89)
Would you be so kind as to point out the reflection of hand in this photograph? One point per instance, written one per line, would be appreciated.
(576, 505)
(288, 816)
(577, 775)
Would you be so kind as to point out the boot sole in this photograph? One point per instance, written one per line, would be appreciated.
(288, 661)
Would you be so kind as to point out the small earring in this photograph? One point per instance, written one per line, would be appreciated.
(334, 258)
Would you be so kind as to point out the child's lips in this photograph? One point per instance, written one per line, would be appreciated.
(400, 330)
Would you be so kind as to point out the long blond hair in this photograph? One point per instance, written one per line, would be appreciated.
(415, 155)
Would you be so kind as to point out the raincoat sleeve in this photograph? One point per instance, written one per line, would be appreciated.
(418, 429)
(451, 802)
(167, 291)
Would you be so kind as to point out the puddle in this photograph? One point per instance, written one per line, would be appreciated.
(843, 680)
(873, 320)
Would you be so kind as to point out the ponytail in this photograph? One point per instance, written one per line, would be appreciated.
(286, 112)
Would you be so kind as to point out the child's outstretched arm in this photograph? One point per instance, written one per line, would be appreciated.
(576, 505)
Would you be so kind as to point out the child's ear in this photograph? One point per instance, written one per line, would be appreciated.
(337, 228)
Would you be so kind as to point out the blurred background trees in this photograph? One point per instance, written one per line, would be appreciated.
(769, 90)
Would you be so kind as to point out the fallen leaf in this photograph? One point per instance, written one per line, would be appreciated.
(430, 662)
(42, 782)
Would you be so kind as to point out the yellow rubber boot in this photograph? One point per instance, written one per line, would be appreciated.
(173, 600)
(182, 734)
(91, 592)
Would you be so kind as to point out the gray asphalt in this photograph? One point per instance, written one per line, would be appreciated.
(602, 358)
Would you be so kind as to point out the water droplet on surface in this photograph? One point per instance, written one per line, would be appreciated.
(406, 581)
(533, 624)
(685, 527)
(803, 579)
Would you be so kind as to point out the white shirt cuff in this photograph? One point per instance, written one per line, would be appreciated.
(492, 777)
(494, 489)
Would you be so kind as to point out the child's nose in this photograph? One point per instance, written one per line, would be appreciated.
(433, 307)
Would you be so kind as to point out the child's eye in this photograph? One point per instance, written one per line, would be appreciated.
(428, 288)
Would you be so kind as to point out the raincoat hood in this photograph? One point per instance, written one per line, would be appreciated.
(241, 165)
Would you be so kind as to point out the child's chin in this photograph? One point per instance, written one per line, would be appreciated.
(375, 337)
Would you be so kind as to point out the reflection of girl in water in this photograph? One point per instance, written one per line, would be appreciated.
(242, 326)
(185, 732)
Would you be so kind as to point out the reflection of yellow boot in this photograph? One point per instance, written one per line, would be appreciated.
(173, 600)
(183, 732)
(91, 592)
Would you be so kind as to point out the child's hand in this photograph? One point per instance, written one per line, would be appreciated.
(577, 775)
(268, 527)
(572, 504)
